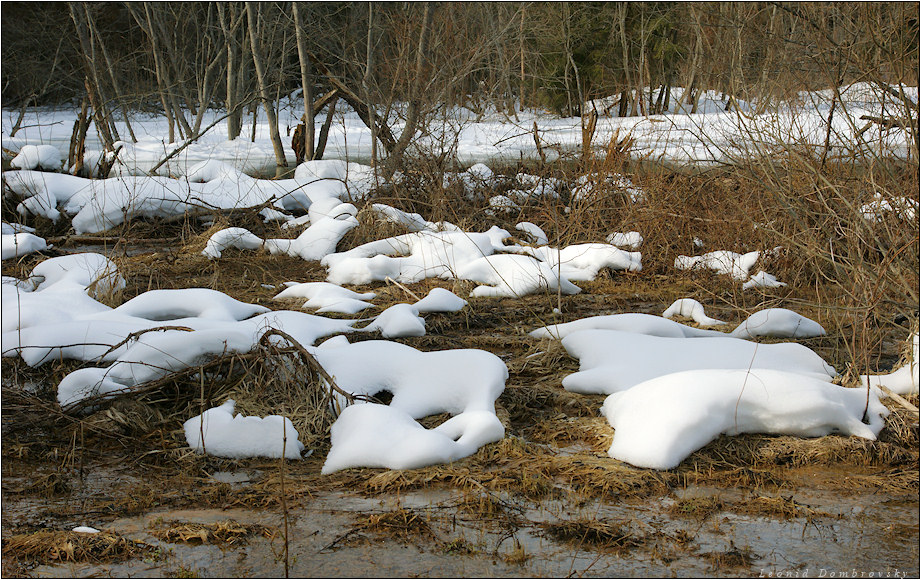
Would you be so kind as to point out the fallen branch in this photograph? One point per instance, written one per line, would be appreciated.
(176, 151)
(364, 110)
(75, 239)
(898, 399)
(889, 122)
(138, 334)
(311, 361)
(390, 280)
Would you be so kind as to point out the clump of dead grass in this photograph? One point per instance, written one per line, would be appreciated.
(489, 507)
(402, 524)
(779, 507)
(517, 556)
(594, 432)
(774, 506)
(271, 379)
(734, 557)
(698, 508)
(524, 468)
(225, 533)
(768, 451)
(593, 532)
(55, 547)
(370, 228)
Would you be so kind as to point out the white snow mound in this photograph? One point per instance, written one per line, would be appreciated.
(44, 157)
(398, 321)
(721, 262)
(627, 322)
(778, 323)
(611, 360)
(326, 297)
(658, 423)
(440, 300)
(464, 383)
(905, 379)
(239, 437)
(690, 308)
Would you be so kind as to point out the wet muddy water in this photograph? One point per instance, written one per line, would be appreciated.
(869, 534)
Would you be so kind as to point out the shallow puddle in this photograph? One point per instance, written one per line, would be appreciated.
(335, 535)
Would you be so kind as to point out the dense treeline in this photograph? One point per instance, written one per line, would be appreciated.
(180, 58)
(550, 54)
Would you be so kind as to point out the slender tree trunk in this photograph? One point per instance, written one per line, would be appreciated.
(564, 23)
(163, 82)
(306, 83)
(767, 64)
(229, 25)
(280, 162)
(412, 115)
(109, 65)
(324, 130)
(624, 102)
(170, 56)
(96, 92)
(695, 61)
(99, 117)
(366, 81)
(521, 60)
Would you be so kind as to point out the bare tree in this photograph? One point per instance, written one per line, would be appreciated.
(281, 163)
(306, 83)
(412, 111)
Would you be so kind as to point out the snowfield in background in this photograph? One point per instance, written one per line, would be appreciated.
(711, 136)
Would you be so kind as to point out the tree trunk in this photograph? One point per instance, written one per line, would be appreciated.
(115, 85)
(78, 142)
(521, 87)
(160, 72)
(95, 92)
(366, 81)
(324, 130)
(624, 103)
(229, 25)
(306, 83)
(625, 55)
(412, 114)
(102, 127)
(280, 162)
(695, 61)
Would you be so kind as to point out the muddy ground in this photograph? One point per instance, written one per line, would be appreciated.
(545, 501)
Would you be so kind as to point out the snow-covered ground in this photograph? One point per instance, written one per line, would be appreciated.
(711, 135)
(672, 388)
(653, 367)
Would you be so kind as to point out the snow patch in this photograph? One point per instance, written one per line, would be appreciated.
(612, 360)
(218, 432)
(658, 423)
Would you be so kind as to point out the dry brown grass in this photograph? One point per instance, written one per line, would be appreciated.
(697, 508)
(733, 558)
(556, 441)
(402, 523)
(225, 533)
(776, 507)
(52, 547)
(592, 532)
